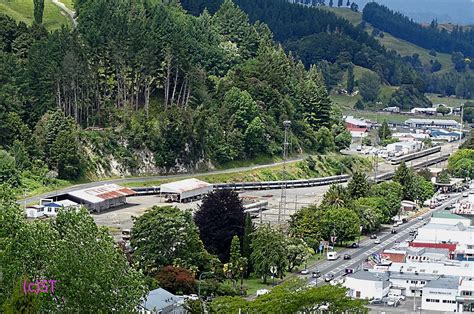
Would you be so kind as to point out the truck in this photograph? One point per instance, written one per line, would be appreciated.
(332, 256)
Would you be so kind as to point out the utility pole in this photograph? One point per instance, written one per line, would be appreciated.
(282, 206)
(460, 127)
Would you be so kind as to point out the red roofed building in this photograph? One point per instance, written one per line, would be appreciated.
(102, 197)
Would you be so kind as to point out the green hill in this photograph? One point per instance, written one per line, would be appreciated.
(403, 47)
(22, 10)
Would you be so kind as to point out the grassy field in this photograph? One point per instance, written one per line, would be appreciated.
(22, 10)
(326, 165)
(449, 101)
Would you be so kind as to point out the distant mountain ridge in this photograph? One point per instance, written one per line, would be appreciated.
(424, 11)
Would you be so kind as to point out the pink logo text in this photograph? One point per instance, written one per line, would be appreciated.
(40, 286)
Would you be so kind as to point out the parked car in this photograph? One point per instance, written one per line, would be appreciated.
(354, 245)
(393, 231)
(377, 241)
(328, 277)
(375, 301)
(373, 236)
(304, 272)
(419, 218)
(347, 256)
(465, 194)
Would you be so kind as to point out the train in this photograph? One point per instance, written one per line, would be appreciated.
(416, 155)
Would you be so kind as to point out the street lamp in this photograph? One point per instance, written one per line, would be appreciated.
(200, 277)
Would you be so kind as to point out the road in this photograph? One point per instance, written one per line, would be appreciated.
(154, 178)
(68, 11)
(368, 247)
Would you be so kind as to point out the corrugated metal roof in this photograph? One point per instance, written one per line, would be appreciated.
(432, 121)
(101, 193)
(184, 186)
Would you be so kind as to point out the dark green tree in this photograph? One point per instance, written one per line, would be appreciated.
(324, 140)
(369, 86)
(359, 186)
(331, 3)
(359, 105)
(336, 196)
(350, 79)
(443, 177)
(247, 239)
(217, 234)
(38, 11)
(384, 131)
(405, 176)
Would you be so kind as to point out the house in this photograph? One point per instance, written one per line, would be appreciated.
(357, 127)
(391, 109)
(49, 208)
(447, 218)
(186, 190)
(367, 285)
(441, 295)
(427, 111)
(408, 206)
(432, 124)
(160, 301)
(101, 197)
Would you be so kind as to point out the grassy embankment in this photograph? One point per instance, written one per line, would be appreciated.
(22, 11)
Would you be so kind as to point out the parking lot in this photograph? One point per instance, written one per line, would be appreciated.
(405, 306)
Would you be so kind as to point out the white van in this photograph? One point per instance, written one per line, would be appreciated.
(332, 256)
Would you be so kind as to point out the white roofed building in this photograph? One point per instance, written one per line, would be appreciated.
(186, 190)
(102, 197)
(432, 124)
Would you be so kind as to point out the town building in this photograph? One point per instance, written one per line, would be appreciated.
(432, 124)
(357, 127)
(186, 190)
(441, 295)
(393, 109)
(445, 136)
(102, 197)
(452, 268)
(410, 137)
(465, 296)
(48, 208)
(161, 301)
(447, 218)
(404, 147)
(410, 284)
(427, 111)
(446, 233)
(367, 285)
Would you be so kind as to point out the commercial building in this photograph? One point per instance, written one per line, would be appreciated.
(410, 284)
(466, 295)
(441, 295)
(445, 136)
(428, 111)
(432, 124)
(446, 233)
(452, 268)
(161, 301)
(404, 147)
(186, 190)
(367, 285)
(410, 137)
(101, 197)
(448, 218)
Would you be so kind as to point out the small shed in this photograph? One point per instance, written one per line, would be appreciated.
(102, 197)
(186, 190)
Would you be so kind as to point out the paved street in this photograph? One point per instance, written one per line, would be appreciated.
(367, 247)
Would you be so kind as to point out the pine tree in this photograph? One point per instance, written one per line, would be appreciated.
(348, 4)
(247, 240)
(350, 79)
(384, 131)
(331, 3)
(235, 255)
(339, 3)
(317, 105)
(38, 11)
(359, 105)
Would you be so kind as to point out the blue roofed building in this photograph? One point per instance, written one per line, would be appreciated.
(160, 301)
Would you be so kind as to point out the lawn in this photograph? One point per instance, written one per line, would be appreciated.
(449, 101)
(22, 11)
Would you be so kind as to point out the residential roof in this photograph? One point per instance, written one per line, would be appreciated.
(101, 193)
(413, 135)
(159, 299)
(184, 186)
(432, 121)
(371, 276)
(448, 215)
(450, 282)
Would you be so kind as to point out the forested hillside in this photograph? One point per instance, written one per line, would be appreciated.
(318, 36)
(431, 37)
(146, 87)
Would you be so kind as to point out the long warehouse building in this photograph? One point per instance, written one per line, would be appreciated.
(102, 197)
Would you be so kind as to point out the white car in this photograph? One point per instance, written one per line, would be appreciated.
(262, 292)
(304, 272)
(465, 194)
(377, 241)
